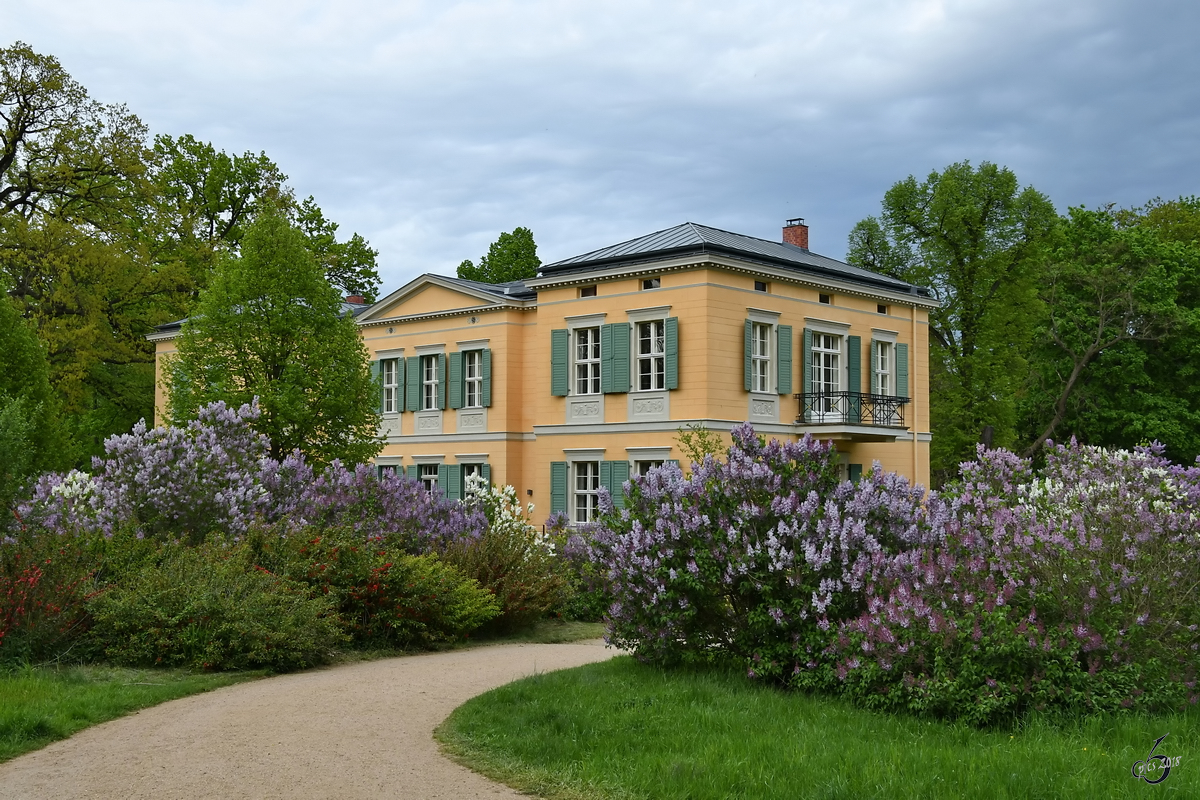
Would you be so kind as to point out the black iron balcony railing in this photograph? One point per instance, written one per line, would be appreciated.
(851, 408)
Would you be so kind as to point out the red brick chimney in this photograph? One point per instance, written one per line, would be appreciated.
(356, 299)
(796, 232)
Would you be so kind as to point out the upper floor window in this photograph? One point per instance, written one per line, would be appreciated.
(652, 283)
(651, 355)
(826, 368)
(391, 386)
(587, 361)
(587, 291)
(473, 378)
(825, 298)
(760, 357)
(429, 383)
(760, 286)
(883, 368)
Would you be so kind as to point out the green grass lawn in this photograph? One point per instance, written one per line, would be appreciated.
(42, 705)
(624, 730)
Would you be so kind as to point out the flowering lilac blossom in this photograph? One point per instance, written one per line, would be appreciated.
(766, 557)
(215, 475)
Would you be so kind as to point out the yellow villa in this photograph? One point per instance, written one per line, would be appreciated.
(584, 375)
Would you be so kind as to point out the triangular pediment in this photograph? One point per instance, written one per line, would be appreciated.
(430, 294)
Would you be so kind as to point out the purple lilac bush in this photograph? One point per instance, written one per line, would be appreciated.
(1072, 589)
(215, 475)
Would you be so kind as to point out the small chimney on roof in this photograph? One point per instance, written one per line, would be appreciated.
(796, 232)
(356, 299)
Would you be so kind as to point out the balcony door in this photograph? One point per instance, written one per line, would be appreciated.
(827, 377)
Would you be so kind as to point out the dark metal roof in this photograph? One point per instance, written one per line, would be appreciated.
(692, 239)
(510, 290)
(352, 309)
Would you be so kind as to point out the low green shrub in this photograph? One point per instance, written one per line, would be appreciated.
(512, 560)
(205, 607)
(385, 596)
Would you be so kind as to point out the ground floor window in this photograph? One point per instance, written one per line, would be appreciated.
(587, 490)
(467, 471)
(643, 467)
(428, 475)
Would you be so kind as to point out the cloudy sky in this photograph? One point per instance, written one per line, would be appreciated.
(429, 127)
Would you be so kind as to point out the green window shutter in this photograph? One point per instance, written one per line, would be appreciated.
(855, 472)
(441, 380)
(559, 345)
(450, 480)
(746, 341)
(902, 370)
(486, 471)
(854, 362)
(558, 487)
(376, 372)
(606, 359)
(456, 380)
(874, 366)
(619, 344)
(783, 380)
(614, 478)
(486, 359)
(412, 383)
(400, 387)
(672, 348)
(854, 368)
(412, 472)
(808, 370)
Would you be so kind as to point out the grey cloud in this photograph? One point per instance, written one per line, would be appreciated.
(430, 127)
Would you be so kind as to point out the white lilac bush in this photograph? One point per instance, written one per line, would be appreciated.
(215, 474)
(1072, 589)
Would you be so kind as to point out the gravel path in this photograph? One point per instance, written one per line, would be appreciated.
(355, 731)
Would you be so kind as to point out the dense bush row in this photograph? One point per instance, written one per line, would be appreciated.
(191, 546)
(1070, 590)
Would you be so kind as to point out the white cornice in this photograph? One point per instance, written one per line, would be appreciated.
(733, 265)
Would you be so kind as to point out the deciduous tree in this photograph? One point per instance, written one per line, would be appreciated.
(512, 257)
(270, 326)
(972, 235)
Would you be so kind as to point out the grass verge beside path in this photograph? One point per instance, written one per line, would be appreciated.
(42, 705)
(620, 729)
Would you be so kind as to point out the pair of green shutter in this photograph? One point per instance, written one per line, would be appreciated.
(613, 475)
(451, 483)
(615, 355)
(783, 365)
(408, 378)
(853, 365)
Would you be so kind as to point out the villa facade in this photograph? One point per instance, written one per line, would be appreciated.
(583, 376)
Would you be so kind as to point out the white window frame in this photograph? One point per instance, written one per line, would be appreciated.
(391, 388)
(827, 366)
(429, 382)
(643, 466)
(591, 362)
(761, 336)
(427, 474)
(884, 365)
(651, 363)
(472, 367)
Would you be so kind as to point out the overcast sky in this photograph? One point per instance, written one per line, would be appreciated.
(430, 127)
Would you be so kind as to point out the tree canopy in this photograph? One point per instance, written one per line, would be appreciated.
(269, 325)
(973, 236)
(105, 234)
(512, 257)
(30, 438)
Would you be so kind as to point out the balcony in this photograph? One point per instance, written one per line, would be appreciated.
(854, 416)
